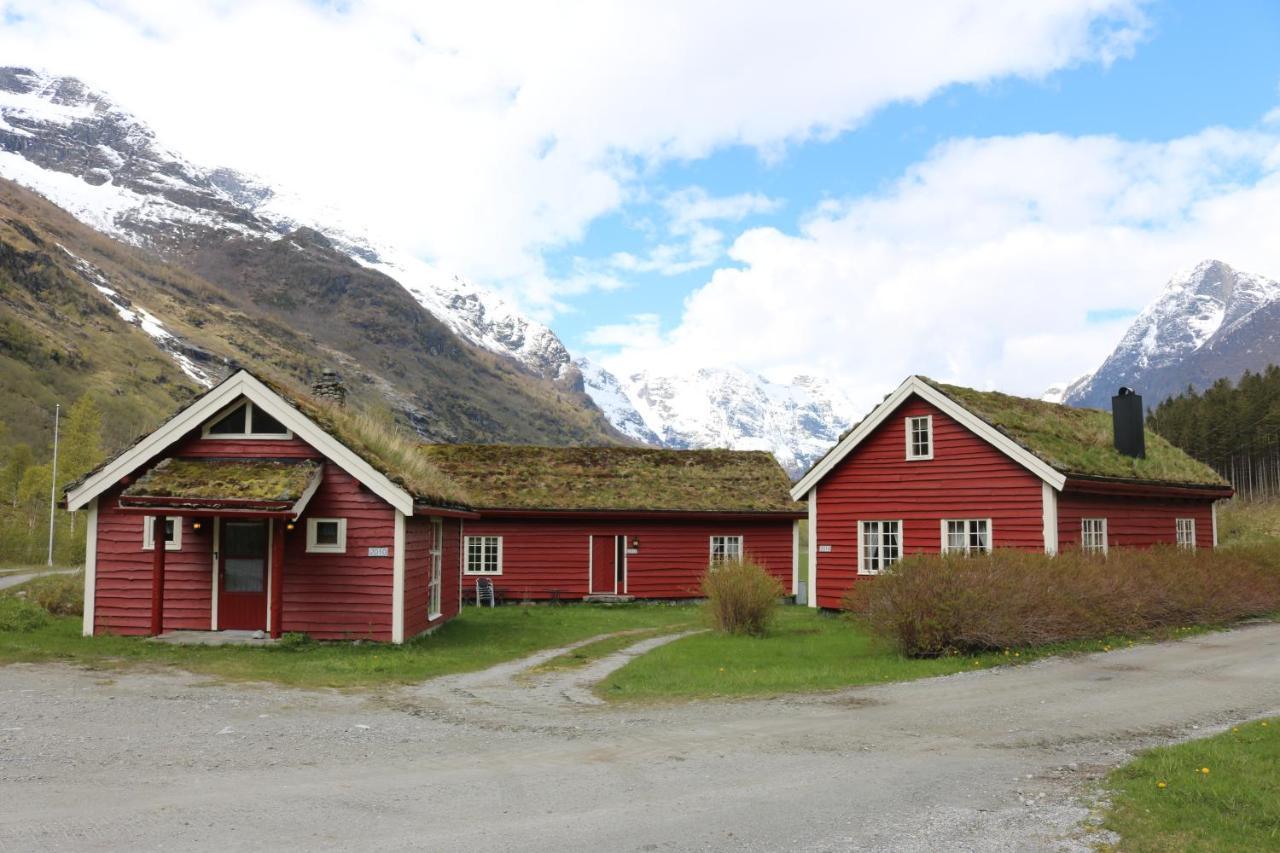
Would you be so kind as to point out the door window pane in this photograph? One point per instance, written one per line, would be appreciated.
(244, 574)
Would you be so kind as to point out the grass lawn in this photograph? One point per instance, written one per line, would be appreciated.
(804, 652)
(480, 637)
(1249, 522)
(1235, 806)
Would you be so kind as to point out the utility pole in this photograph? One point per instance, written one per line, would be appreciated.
(53, 477)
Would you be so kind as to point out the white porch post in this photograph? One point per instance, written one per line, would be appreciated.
(90, 567)
(813, 547)
(397, 581)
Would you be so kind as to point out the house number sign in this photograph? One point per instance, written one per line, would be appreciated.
(379, 551)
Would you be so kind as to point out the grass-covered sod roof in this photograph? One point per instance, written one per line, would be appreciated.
(1079, 441)
(615, 478)
(268, 481)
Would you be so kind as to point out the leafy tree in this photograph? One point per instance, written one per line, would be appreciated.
(80, 448)
(20, 458)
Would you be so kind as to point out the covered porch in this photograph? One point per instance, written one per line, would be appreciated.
(247, 507)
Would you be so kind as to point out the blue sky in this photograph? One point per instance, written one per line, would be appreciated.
(982, 192)
(1199, 64)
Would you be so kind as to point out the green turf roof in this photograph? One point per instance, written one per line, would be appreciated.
(1079, 441)
(615, 478)
(225, 480)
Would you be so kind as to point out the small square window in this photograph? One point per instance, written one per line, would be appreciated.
(881, 546)
(326, 535)
(966, 536)
(172, 534)
(484, 555)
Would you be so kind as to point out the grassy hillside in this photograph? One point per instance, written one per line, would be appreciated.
(290, 307)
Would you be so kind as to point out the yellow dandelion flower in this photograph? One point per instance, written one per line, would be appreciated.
(1204, 771)
(1161, 785)
(1265, 723)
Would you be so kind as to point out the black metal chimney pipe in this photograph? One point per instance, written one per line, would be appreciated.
(1126, 422)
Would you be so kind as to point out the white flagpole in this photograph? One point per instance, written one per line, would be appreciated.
(53, 477)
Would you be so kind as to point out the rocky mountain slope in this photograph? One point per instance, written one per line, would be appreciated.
(268, 253)
(797, 422)
(1209, 323)
(237, 284)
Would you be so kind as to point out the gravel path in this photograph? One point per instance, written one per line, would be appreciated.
(990, 760)
(7, 581)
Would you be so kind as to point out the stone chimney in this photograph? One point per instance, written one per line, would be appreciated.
(329, 387)
(1126, 423)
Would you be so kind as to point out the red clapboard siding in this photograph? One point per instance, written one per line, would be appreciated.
(418, 574)
(542, 557)
(967, 478)
(1133, 522)
(341, 596)
(123, 575)
(195, 447)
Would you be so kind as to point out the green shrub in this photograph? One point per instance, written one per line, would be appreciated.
(61, 595)
(932, 605)
(19, 615)
(741, 597)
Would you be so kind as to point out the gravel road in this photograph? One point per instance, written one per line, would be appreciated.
(990, 760)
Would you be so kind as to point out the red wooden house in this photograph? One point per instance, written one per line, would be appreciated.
(608, 522)
(250, 510)
(938, 468)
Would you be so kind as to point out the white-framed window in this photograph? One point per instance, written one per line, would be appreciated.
(966, 536)
(433, 584)
(326, 536)
(245, 420)
(1093, 535)
(725, 549)
(920, 437)
(880, 545)
(172, 533)
(1186, 530)
(484, 555)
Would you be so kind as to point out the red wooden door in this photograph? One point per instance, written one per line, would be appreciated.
(604, 565)
(242, 589)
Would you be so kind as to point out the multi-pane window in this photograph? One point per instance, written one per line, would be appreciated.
(881, 546)
(1093, 535)
(433, 585)
(484, 555)
(920, 437)
(966, 536)
(725, 549)
(1186, 528)
(172, 534)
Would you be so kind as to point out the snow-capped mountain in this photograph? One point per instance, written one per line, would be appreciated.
(718, 407)
(103, 165)
(106, 167)
(1209, 323)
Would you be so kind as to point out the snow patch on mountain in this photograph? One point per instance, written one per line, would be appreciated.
(136, 315)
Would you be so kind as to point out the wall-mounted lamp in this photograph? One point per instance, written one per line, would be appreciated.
(197, 523)
(635, 542)
(289, 525)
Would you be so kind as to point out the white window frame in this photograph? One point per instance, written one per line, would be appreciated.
(1098, 548)
(314, 547)
(725, 556)
(911, 444)
(466, 556)
(968, 532)
(1179, 526)
(434, 579)
(863, 568)
(248, 434)
(149, 533)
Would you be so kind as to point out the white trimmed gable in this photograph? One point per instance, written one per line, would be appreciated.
(916, 386)
(215, 403)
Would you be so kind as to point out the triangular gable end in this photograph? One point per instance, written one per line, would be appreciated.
(915, 385)
(216, 401)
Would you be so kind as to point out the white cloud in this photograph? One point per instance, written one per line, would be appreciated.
(983, 261)
(640, 331)
(481, 134)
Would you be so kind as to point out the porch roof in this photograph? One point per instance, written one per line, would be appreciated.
(226, 484)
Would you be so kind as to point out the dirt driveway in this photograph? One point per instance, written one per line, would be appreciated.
(990, 760)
